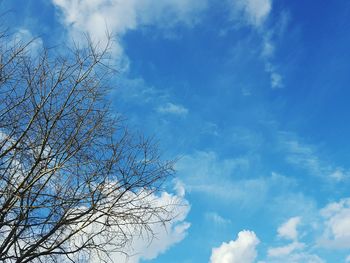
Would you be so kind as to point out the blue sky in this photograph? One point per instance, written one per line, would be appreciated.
(252, 96)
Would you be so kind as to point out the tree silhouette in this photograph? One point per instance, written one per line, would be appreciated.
(75, 185)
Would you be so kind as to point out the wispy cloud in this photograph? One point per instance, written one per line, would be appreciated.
(205, 172)
(230, 180)
(251, 12)
(286, 250)
(171, 108)
(138, 91)
(306, 157)
(255, 14)
(216, 218)
(276, 79)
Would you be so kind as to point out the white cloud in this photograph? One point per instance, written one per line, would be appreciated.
(337, 225)
(231, 179)
(275, 78)
(164, 215)
(95, 17)
(241, 250)
(24, 36)
(267, 54)
(171, 108)
(288, 230)
(206, 166)
(295, 251)
(301, 154)
(339, 174)
(179, 187)
(329, 228)
(268, 48)
(302, 257)
(138, 91)
(336, 235)
(254, 12)
(100, 18)
(305, 156)
(206, 173)
(335, 228)
(285, 250)
(166, 235)
(142, 245)
(217, 219)
(210, 128)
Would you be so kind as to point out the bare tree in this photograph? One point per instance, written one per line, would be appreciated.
(74, 184)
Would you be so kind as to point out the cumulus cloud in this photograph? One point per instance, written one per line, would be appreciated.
(171, 108)
(333, 221)
(289, 230)
(165, 235)
(295, 251)
(337, 225)
(141, 245)
(241, 250)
